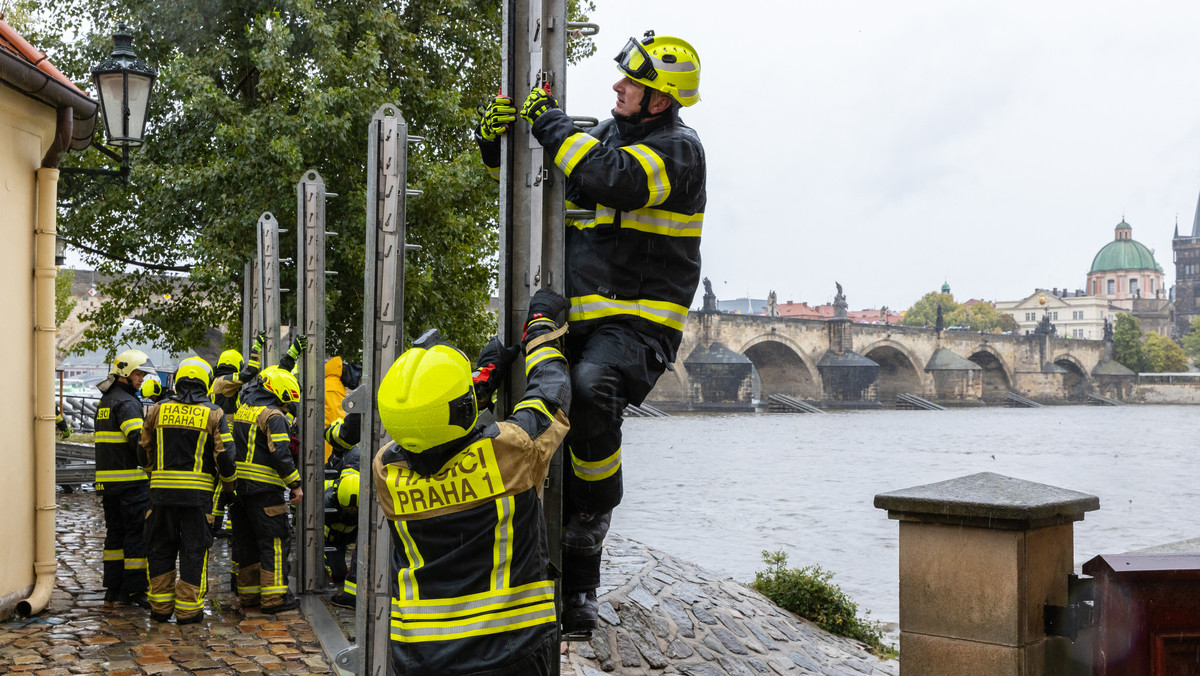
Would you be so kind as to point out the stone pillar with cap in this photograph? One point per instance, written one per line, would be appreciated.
(980, 558)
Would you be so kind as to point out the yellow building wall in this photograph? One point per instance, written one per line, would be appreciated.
(26, 132)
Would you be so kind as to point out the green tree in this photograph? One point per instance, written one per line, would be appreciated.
(1127, 342)
(924, 311)
(979, 317)
(251, 94)
(1191, 339)
(64, 302)
(1163, 355)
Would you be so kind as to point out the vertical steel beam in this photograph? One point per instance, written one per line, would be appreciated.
(310, 318)
(267, 280)
(383, 333)
(532, 208)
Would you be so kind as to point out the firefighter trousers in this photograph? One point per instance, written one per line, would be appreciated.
(125, 541)
(262, 543)
(611, 367)
(178, 532)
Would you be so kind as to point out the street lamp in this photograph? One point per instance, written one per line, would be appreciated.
(125, 83)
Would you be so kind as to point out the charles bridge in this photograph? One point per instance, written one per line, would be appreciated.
(732, 359)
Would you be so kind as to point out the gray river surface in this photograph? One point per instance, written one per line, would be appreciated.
(719, 489)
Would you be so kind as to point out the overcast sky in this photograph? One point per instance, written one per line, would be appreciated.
(894, 145)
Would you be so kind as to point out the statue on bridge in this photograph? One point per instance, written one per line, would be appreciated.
(710, 298)
(839, 303)
(1044, 327)
(772, 305)
(1108, 331)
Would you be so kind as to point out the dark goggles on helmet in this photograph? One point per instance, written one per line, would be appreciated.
(635, 61)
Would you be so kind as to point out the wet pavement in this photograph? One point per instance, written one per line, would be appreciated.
(76, 634)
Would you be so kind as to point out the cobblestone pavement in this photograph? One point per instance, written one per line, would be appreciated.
(662, 615)
(76, 634)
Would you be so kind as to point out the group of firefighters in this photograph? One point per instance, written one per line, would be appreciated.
(472, 590)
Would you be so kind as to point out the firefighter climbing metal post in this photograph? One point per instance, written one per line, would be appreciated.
(310, 319)
(532, 206)
(262, 288)
(383, 335)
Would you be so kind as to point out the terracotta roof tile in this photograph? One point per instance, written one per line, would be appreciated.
(12, 42)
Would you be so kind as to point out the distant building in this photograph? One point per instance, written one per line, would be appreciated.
(1186, 251)
(1124, 277)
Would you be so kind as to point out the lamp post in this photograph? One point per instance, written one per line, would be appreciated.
(125, 83)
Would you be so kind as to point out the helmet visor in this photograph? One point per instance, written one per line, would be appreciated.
(635, 61)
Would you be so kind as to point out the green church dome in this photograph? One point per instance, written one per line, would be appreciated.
(1124, 253)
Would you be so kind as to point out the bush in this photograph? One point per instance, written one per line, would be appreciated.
(809, 593)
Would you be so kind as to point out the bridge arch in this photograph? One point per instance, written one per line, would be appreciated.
(997, 374)
(899, 370)
(1077, 382)
(782, 367)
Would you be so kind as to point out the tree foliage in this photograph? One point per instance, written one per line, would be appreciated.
(1191, 339)
(1127, 342)
(64, 302)
(250, 95)
(1160, 354)
(924, 311)
(983, 317)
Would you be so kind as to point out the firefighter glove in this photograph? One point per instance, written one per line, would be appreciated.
(549, 304)
(491, 368)
(66, 431)
(299, 344)
(260, 341)
(537, 103)
(497, 117)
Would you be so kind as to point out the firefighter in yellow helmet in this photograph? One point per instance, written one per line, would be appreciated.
(187, 449)
(471, 593)
(265, 470)
(123, 486)
(341, 531)
(633, 271)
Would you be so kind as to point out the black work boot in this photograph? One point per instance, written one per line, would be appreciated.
(343, 599)
(139, 599)
(290, 602)
(585, 532)
(579, 615)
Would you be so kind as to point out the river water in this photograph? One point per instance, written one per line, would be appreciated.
(719, 489)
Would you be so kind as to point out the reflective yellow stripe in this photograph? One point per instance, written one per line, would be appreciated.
(407, 576)
(114, 554)
(111, 437)
(483, 625)
(293, 477)
(654, 221)
(136, 564)
(572, 151)
(540, 355)
(162, 597)
(350, 588)
(130, 426)
(252, 472)
(596, 470)
(670, 315)
(227, 438)
(502, 545)
(280, 437)
(657, 181)
(189, 605)
(164, 478)
(114, 475)
(488, 613)
(495, 172)
(536, 404)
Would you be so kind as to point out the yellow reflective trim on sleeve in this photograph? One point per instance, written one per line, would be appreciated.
(130, 425)
(662, 222)
(281, 437)
(495, 172)
(137, 564)
(291, 478)
(670, 315)
(540, 355)
(597, 470)
(535, 404)
(657, 181)
(572, 151)
(111, 437)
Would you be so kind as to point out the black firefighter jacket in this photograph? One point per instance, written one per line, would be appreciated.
(186, 447)
(262, 436)
(471, 591)
(118, 431)
(639, 260)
